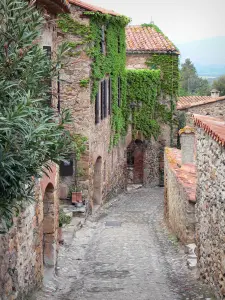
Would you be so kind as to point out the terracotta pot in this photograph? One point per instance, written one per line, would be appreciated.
(76, 197)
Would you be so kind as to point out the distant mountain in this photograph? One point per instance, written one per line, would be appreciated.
(207, 55)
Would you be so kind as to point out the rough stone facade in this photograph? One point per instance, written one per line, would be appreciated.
(154, 150)
(31, 241)
(179, 205)
(210, 211)
(215, 109)
(100, 171)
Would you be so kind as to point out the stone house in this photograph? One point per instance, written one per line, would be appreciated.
(93, 88)
(149, 48)
(213, 105)
(32, 240)
(194, 195)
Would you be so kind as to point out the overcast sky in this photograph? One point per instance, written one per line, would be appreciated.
(181, 20)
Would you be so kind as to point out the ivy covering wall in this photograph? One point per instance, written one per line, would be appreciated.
(110, 64)
(143, 90)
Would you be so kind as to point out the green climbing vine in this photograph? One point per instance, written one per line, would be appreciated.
(111, 64)
(143, 89)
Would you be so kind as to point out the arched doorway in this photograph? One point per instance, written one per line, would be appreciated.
(49, 227)
(97, 194)
(135, 162)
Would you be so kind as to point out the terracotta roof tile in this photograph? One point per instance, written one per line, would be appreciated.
(146, 39)
(190, 101)
(185, 174)
(214, 127)
(93, 8)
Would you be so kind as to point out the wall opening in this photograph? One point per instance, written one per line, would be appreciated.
(49, 227)
(97, 194)
(135, 162)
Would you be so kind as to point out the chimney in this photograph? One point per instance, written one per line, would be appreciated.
(215, 93)
(187, 139)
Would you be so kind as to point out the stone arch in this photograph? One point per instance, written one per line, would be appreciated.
(97, 186)
(50, 217)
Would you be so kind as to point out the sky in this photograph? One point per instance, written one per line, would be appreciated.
(181, 20)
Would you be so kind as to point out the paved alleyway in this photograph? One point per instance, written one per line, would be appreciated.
(134, 258)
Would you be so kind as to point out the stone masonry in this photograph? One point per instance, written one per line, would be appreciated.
(210, 206)
(111, 164)
(180, 188)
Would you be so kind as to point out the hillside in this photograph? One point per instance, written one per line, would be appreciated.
(207, 55)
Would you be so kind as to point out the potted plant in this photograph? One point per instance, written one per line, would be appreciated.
(77, 195)
(64, 219)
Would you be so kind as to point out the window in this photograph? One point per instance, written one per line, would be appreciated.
(103, 41)
(66, 168)
(97, 109)
(119, 91)
(102, 103)
(48, 51)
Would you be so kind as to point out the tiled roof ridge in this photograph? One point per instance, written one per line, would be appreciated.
(214, 127)
(141, 38)
(188, 101)
(94, 8)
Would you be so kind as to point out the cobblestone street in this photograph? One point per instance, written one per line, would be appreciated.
(124, 252)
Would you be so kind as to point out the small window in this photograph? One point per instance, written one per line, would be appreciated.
(119, 91)
(103, 40)
(105, 98)
(66, 168)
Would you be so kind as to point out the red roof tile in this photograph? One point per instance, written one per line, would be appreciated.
(185, 174)
(190, 101)
(146, 39)
(93, 8)
(214, 127)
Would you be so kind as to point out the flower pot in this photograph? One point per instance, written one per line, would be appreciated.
(76, 197)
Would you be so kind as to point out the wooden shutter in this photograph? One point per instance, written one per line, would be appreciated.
(110, 96)
(102, 44)
(102, 99)
(105, 98)
(97, 109)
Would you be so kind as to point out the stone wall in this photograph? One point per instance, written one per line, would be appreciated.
(25, 246)
(210, 211)
(179, 209)
(137, 61)
(98, 157)
(215, 109)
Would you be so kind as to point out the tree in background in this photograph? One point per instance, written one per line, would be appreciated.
(219, 84)
(31, 133)
(190, 83)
